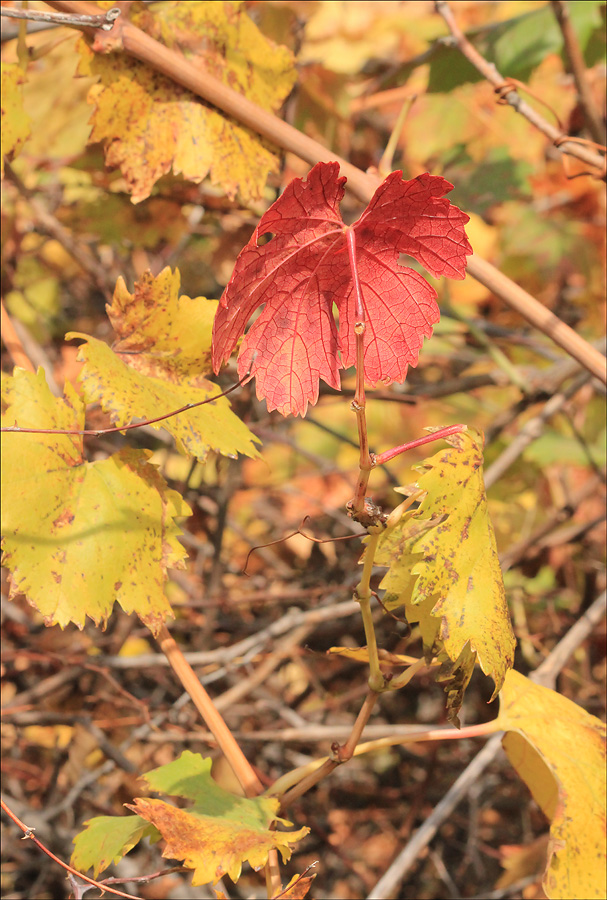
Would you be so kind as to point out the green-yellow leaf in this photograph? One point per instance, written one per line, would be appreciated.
(558, 749)
(157, 365)
(106, 839)
(221, 830)
(150, 124)
(445, 571)
(78, 535)
(16, 124)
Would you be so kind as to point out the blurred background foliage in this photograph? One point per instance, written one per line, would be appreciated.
(363, 69)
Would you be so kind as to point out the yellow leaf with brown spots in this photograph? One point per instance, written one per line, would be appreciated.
(80, 536)
(150, 124)
(158, 365)
(445, 572)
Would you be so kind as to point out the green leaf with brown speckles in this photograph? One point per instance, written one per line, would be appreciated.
(444, 569)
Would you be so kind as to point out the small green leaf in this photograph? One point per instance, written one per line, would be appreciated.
(106, 839)
(221, 830)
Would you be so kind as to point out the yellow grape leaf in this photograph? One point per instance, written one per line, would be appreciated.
(16, 124)
(558, 749)
(444, 569)
(79, 536)
(157, 365)
(150, 124)
(221, 830)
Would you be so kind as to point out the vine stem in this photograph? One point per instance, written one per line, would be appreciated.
(362, 593)
(311, 774)
(29, 834)
(293, 784)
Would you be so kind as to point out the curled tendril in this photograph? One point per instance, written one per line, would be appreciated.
(308, 537)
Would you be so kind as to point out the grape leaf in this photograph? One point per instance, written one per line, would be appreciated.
(304, 269)
(149, 123)
(80, 535)
(558, 749)
(445, 570)
(106, 839)
(158, 364)
(221, 830)
(16, 124)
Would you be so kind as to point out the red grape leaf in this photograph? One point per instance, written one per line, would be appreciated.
(304, 269)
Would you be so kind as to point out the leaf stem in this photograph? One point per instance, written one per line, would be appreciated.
(402, 680)
(381, 458)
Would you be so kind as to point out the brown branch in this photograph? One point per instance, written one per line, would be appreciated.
(243, 770)
(240, 765)
(512, 98)
(576, 60)
(141, 46)
(105, 21)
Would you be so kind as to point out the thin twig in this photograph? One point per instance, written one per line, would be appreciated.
(576, 60)
(28, 834)
(250, 645)
(99, 431)
(105, 21)
(532, 430)
(490, 73)
(363, 185)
